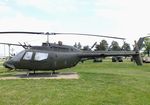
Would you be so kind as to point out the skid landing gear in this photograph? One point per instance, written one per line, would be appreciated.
(28, 72)
(34, 72)
(53, 72)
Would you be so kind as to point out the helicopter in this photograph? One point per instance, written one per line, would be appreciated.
(51, 56)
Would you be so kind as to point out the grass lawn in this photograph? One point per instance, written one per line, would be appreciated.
(104, 83)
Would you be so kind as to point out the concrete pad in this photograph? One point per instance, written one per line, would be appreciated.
(61, 75)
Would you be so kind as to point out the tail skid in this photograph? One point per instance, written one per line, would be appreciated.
(138, 60)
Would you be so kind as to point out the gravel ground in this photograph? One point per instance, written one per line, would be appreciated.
(63, 75)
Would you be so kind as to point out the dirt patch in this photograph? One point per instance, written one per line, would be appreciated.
(63, 75)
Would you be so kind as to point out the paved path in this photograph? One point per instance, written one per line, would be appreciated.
(63, 75)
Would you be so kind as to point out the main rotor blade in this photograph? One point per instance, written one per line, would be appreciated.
(11, 44)
(47, 33)
(88, 35)
(21, 32)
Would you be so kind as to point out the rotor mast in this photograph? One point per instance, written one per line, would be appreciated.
(47, 34)
(47, 38)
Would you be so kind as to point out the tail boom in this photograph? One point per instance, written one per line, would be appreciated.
(101, 54)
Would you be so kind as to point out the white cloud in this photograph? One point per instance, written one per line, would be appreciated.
(4, 8)
(131, 17)
(135, 18)
(21, 22)
(50, 6)
(128, 18)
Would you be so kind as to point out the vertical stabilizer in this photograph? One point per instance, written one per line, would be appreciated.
(140, 43)
(138, 46)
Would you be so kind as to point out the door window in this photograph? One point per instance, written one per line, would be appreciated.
(28, 56)
(40, 56)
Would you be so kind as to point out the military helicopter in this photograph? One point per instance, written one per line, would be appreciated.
(53, 57)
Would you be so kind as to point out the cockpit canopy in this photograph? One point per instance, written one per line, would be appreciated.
(28, 55)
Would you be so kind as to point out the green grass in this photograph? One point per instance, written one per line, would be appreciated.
(104, 83)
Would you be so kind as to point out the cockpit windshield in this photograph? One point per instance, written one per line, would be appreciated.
(28, 56)
(18, 56)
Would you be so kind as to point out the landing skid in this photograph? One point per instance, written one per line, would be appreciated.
(28, 72)
(52, 73)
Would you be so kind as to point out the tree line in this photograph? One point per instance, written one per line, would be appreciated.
(104, 46)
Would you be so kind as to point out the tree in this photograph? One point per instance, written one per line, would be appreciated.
(75, 45)
(79, 45)
(103, 46)
(126, 47)
(86, 48)
(115, 46)
(147, 46)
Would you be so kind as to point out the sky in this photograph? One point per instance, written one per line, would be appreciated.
(120, 18)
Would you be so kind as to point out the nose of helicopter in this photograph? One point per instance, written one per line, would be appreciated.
(8, 64)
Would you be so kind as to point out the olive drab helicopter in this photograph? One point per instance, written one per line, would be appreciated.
(53, 57)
